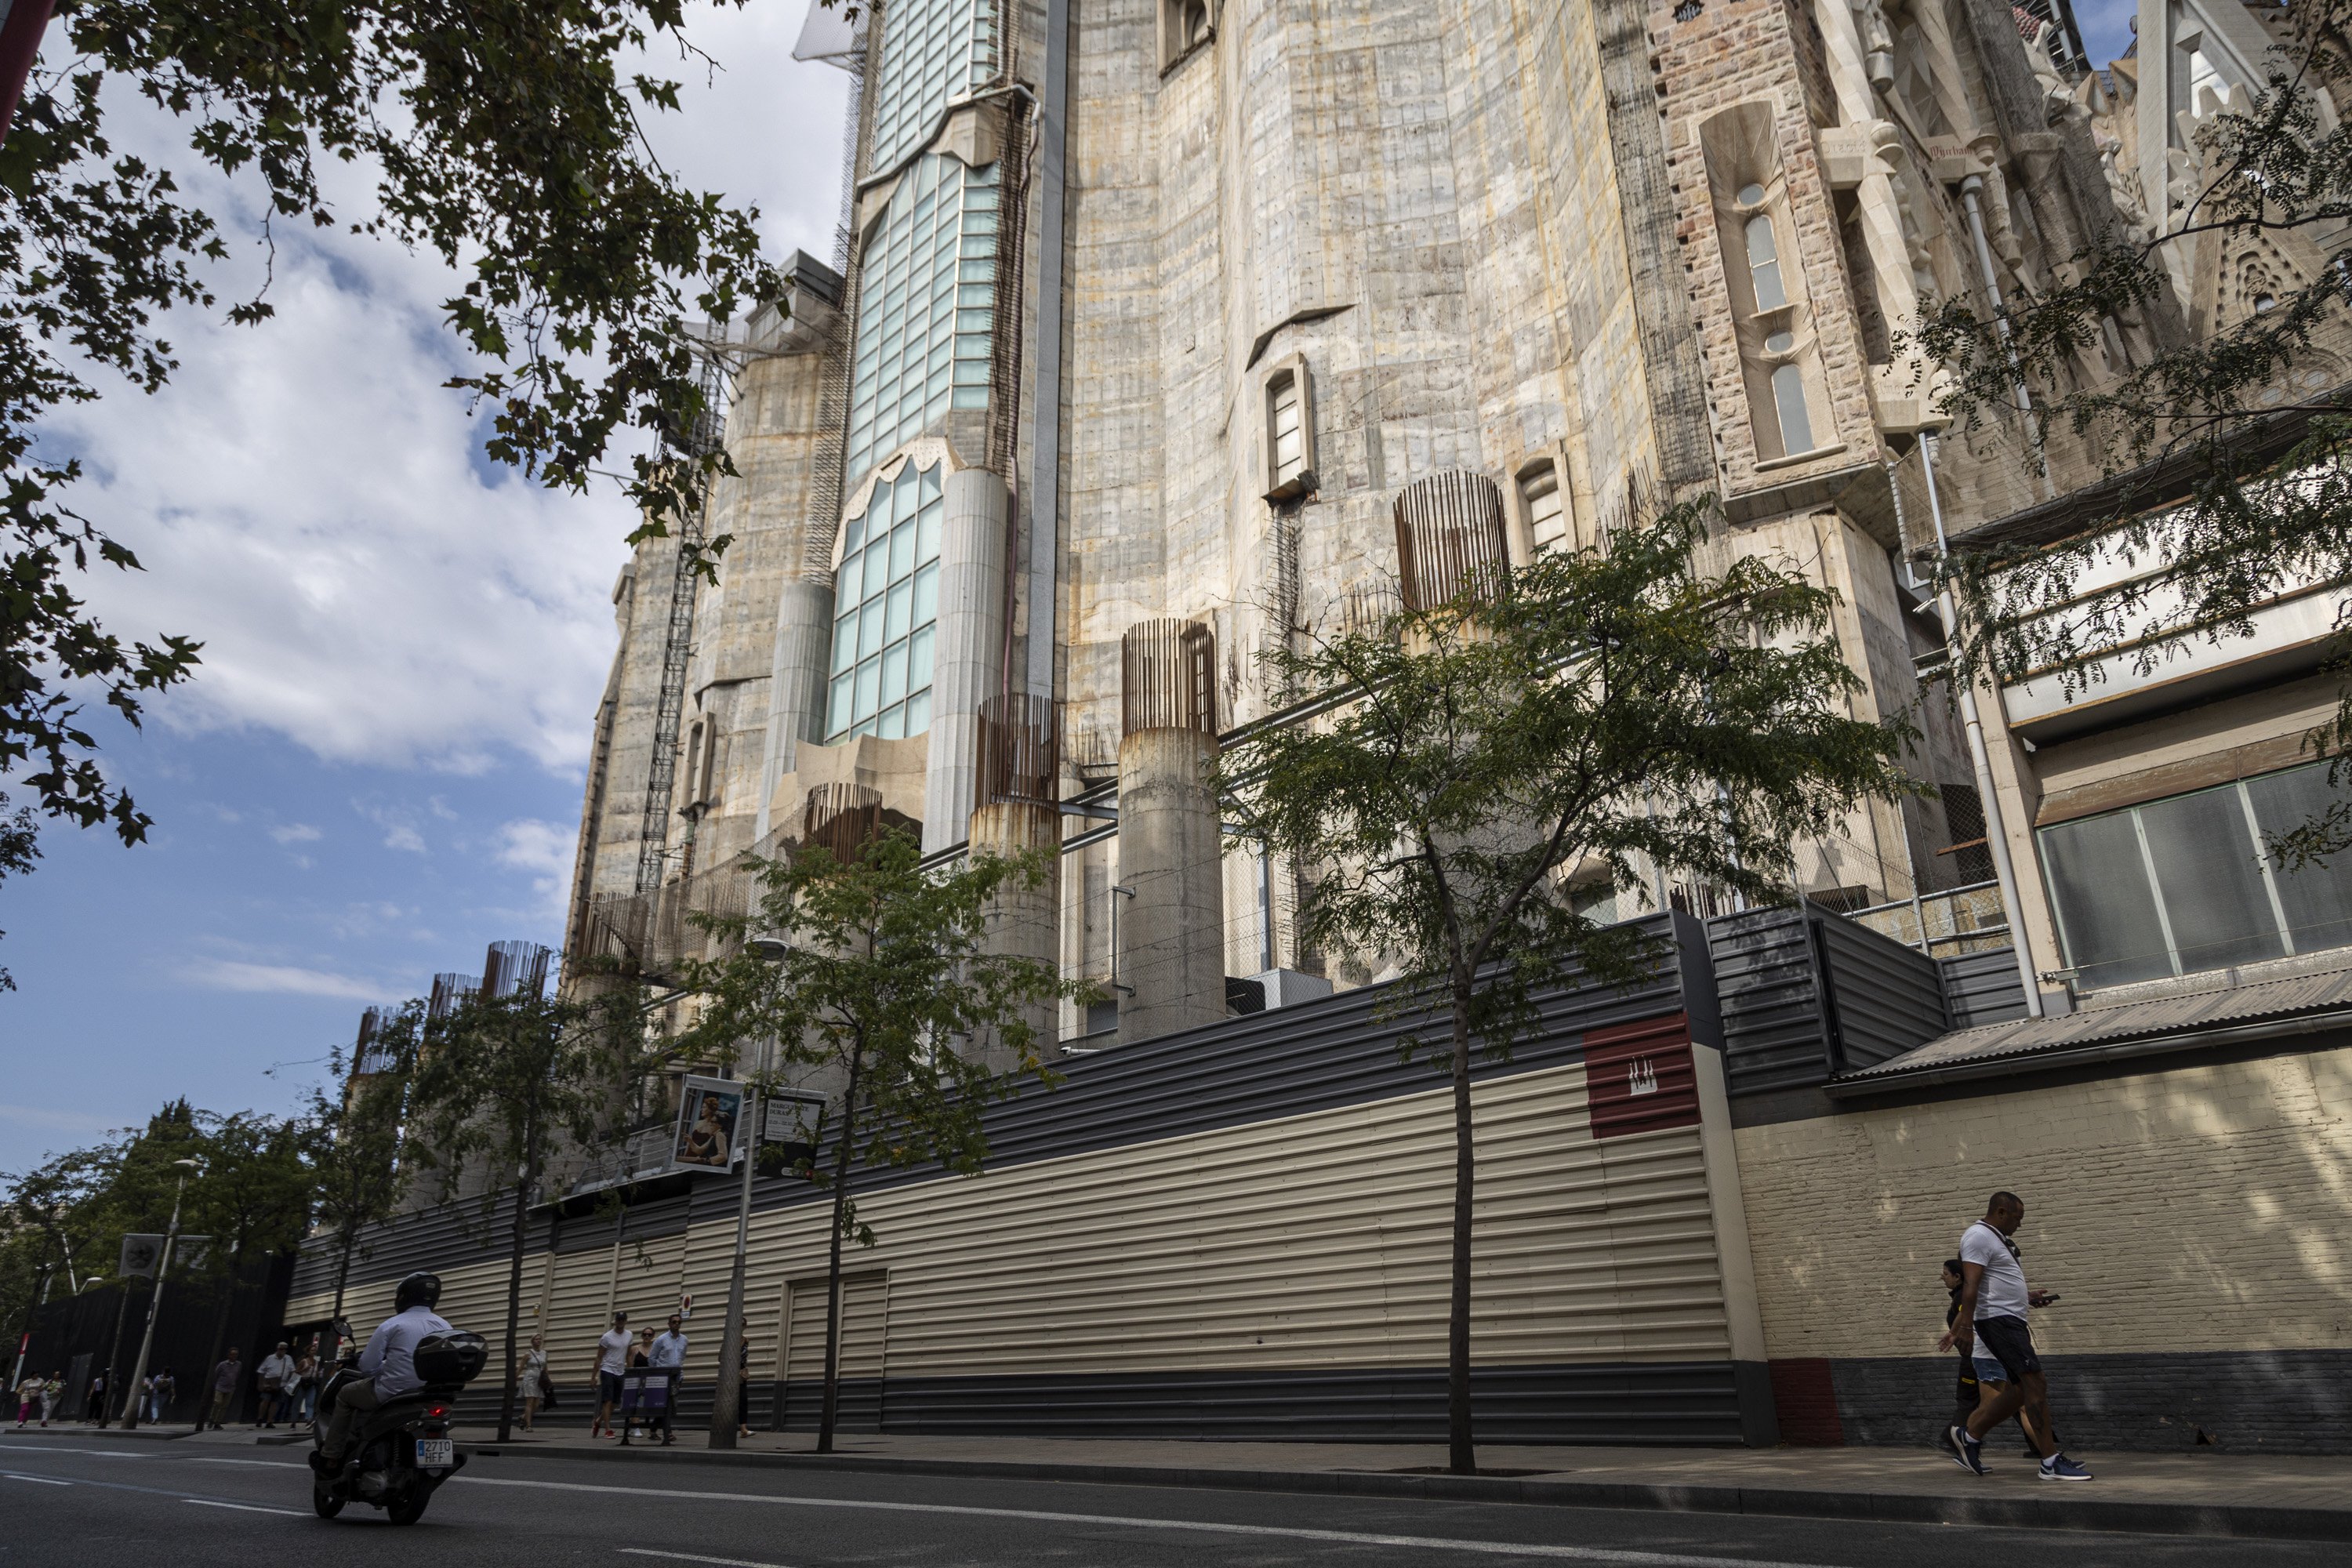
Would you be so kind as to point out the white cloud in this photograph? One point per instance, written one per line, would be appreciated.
(296, 833)
(309, 503)
(546, 850)
(278, 979)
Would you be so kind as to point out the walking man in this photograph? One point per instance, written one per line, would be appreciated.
(667, 1356)
(226, 1378)
(276, 1377)
(1994, 1300)
(612, 1361)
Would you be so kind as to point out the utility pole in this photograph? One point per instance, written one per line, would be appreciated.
(725, 1409)
(156, 1302)
(24, 1345)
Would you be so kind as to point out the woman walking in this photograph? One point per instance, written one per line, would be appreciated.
(532, 1377)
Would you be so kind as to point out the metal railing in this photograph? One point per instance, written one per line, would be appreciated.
(1954, 921)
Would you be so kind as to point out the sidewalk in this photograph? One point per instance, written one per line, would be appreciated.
(2289, 1497)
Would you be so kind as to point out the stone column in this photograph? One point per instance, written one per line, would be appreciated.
(1170, 902)
(1017, 770)
(967, 662)
(796, 686)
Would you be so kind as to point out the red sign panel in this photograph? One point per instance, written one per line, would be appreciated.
(1639, 1076)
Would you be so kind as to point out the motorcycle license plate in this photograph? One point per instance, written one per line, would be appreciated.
(435, 1451)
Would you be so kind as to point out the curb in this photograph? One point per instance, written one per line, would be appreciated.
(2245, 1521)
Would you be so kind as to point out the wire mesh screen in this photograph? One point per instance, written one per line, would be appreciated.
(1019, 751)
(509, 968)
(1167, 677)
(1450, 538)
(452, 991)
(1004, 361)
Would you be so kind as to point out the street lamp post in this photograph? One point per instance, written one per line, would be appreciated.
(725, 1409)
(49, 1272)
(156, 1302)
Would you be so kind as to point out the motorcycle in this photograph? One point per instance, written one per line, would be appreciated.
(402, 1452)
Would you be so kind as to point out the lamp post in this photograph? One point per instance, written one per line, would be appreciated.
(726, 1410)
(155, 1303)
(25, 1347)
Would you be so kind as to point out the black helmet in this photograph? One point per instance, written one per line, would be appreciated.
(419, 1289)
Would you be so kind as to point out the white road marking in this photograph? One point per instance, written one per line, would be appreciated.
(243, 1506)
(36, 1480)
(1343, 1537)
(691, 1557)
(258, 1464)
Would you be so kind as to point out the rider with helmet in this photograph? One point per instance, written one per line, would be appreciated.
(388, 1365)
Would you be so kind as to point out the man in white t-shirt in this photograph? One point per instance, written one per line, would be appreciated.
(1994, 1300)
(612, 1360)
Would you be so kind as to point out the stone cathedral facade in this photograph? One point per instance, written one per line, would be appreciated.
(1152, 309)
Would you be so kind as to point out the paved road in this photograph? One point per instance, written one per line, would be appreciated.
(84, 1501)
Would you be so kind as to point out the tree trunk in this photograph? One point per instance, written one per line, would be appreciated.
(1460, 1458)
(514, 1273)
(832, 1407)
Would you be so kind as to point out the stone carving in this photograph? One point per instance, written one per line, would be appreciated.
(1877, 42)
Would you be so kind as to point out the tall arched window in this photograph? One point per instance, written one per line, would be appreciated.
(1763, 255)
(1788, 399)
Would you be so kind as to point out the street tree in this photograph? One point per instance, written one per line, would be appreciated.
(2257, 413)
(872, 978)
(252, 1199)
(498, 1084)
(1623, 714)
(19, 848)
(360, 1179)
(504, 137)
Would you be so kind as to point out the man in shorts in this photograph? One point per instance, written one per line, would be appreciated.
(612, 1361)
(1990, 1324)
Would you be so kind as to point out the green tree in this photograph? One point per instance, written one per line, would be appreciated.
(2265, 440)
(359, 1178)
(878, 973)
(252, 1199)
(498, 1083)
(19, 848)
(506, 137)
(1621, 710)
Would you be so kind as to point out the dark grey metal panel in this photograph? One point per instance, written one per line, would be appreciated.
(440, 1237)
(1768, 986)
(1884, 996)
(1982, 987)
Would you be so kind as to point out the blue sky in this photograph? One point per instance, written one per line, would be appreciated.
(2106, 28)
(377, 770)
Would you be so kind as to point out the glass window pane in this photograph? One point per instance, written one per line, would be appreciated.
(927, 593)
(894, 672)
(2212, 886)
(918, 657)
(1764, 263)
(844, 643)
(837, 715)
(1796, 419)
(869, 687)
(2106, 907)
(869, 630)
(2317, 899)
(878, 571)
(895, 626)
(853, 536)
(970, 397)
(902, 551)
(919, 713)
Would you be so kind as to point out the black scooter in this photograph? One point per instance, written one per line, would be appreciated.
(402, 1451)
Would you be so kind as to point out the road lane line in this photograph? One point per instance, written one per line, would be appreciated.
(692, 1557)
(244, 1507)
(258, 1464)
(1286, 1532)
(36, 1480)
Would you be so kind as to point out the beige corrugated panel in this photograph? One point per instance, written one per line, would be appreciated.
(865, 1318)
(1320, 1239)
(577, 1313)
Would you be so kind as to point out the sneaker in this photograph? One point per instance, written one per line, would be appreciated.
(2059, 1468)
(1965, 1450)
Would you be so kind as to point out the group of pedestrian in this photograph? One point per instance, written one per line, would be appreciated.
(37, 1394)
(636, 1379)
(2000, 1375)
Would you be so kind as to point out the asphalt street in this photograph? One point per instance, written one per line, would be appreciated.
(86, 1502)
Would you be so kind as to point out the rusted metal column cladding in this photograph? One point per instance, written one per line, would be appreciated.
(1170, 908)
(1450, 536)
(1018, 778)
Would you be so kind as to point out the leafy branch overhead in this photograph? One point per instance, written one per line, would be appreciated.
(2225, 432)
(506, 137)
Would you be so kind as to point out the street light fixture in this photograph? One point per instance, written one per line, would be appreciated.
(156, 1302)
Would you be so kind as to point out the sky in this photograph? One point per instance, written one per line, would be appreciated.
(377, 770)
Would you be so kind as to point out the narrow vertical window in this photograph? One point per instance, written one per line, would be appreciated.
(1796, 421)
(1764, 263)
(1282, 413)
(1539, 500)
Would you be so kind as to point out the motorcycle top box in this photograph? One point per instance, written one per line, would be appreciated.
(452, 1359)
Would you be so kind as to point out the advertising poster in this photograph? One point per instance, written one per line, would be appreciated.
(708, 1112)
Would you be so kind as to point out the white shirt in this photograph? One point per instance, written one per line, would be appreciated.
(668, 1350)
(275, 1371)
(612, 1351)
(390, 1354)
(2001, 1294)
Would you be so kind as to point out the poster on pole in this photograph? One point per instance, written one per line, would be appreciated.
(141, 1254)
(708, 1112)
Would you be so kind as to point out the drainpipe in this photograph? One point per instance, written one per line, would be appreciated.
(1970, 188)
(1996, 834)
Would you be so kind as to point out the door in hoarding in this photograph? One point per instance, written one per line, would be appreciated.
(864, 1321)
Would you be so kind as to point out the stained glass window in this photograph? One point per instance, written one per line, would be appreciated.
(933, 52)
(927, 309)
(886, 600)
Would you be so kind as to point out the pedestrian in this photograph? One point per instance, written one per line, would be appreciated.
(531, 1379)
(1994, 1300)
(667, 1355)
(743, 1387)
(306, 1384)
(274, 1376)
(165, 1393)
(1966, 1389)
(226, 1378)
(53, 1389)
(97, 1411)
(632, 1391)
(28, 1398)
(612, 1361)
